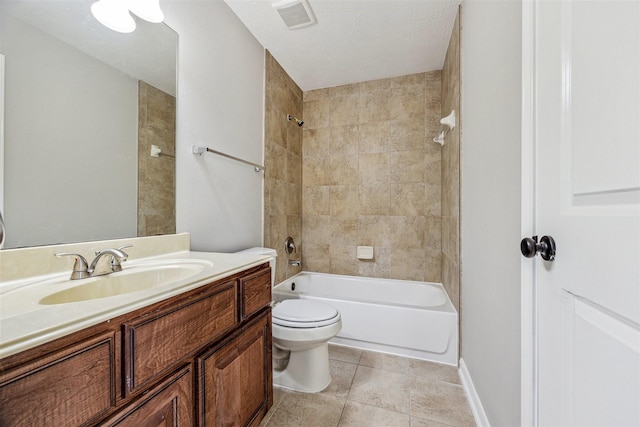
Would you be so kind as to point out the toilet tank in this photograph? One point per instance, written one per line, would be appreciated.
(267, 252)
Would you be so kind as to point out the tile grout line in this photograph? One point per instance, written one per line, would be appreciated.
(410, 392)
(411, 375)
(350, 385)
(341, 413)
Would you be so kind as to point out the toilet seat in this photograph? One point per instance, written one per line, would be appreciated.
(298, 313)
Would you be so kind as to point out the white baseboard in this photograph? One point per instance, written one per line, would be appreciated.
(472, 395)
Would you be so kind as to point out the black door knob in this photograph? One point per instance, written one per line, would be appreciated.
(529, 246)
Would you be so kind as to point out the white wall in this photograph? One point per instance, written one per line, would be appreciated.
(490, 164)
(220, 105)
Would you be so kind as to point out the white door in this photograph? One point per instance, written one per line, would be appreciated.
(587, 182)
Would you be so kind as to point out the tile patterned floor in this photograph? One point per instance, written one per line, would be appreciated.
(374, 389)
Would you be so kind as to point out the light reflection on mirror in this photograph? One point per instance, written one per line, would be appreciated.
(83, 105)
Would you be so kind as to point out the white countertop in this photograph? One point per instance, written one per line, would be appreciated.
(25, 323)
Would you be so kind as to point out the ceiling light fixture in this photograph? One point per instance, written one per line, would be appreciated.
(149, 10)
(295, 13)
(114, 14)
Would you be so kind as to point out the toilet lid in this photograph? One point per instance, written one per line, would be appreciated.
(300, 313)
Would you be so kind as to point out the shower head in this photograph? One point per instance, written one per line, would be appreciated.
(298, 121)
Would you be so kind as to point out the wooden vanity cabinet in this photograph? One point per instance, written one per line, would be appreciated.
(72, 386)
(235, 379)
(153, 343)
(255, 292)
(169, 404)
(199, 358)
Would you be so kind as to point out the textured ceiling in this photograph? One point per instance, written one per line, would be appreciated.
(354, 40)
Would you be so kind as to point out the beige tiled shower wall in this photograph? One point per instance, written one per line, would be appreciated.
(371, 175)
(451, 170)
(156, 175)
(283, 162)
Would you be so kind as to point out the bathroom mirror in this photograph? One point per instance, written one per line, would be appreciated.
(83, 105)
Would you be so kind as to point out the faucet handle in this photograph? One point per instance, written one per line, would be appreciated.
(96, 253)
(124, 247)
(102, 265)
(80, 266)
(115, 261)
(290, 245)
(118, 256)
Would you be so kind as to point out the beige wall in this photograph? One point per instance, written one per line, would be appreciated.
(451, 170)
(156, 175)
(283, 162)
(372, 176)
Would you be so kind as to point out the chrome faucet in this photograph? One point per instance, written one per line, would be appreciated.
(102, 263)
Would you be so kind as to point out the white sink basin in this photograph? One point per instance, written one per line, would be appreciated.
(132, 279)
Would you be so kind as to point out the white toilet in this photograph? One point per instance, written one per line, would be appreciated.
(301, 330)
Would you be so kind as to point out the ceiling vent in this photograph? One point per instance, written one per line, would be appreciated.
(295, 13)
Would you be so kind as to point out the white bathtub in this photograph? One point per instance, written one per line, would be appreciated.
(413, 319)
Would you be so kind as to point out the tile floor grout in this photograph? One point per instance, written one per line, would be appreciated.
(376, 389)
(350, 385)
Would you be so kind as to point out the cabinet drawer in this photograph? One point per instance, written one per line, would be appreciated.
(155, 342)
(255, 292)
(168, 404)
(71, 387)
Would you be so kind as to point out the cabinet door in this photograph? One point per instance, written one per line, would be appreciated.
(234, 378)
(68, 388)
(170, 404)
(156, 342)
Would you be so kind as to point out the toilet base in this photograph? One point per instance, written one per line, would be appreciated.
(307, 370)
